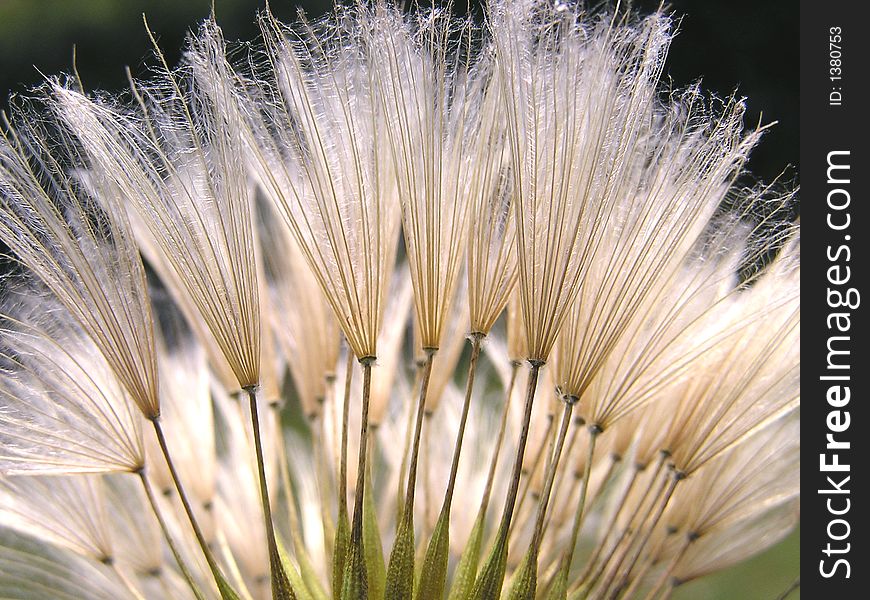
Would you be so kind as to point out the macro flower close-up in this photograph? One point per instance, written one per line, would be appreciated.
(397, 303)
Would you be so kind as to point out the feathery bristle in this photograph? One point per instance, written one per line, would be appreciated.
(316, 144)
(63, 409)
(176, 166)
(80, 248)
(578, 95)
(431, 96)
(492, 257)
(679, 178)
(63, 510)
(751, 376)
(32, 573)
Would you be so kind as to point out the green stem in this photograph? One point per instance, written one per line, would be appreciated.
(185, 571)
(281, 588)
(434, 574)
(342, 527)
(223, 585)
(489, 582)
(355, 584)
(400, 570)
(527, 580)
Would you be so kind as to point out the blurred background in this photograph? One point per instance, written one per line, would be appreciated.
(750, 47)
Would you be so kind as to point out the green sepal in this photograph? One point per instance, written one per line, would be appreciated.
(309, 575)
(226, 590)
(373, 549)
(304, 581)
(295, 580)
(488, 584)
(434, 572)
(282, 589)
(355, 584)
(340, 550)
(525, 579)
(400, 572)
(559, 588)
(466, 570)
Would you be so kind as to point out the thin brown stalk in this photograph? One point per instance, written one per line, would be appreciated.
(356, 528)
(531, 567)
(526, 483)
(406, 451)
(561, 476)
(425, 457)
(281, 588)
(794, 585)
(345, 412)
(510, 499)
(418, 432)
(340, 539)
(553, 459)
(626, 530)
(476, 339)
(489, 580)
(610, 525)
(182, 565)
(355, 572)
(641, 544)
(568, 556)
(496, 452)
(203, 544)
(666, 573)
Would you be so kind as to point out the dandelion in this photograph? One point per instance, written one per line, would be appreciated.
(316, 222)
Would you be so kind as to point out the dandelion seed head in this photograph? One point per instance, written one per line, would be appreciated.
(329, 214)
